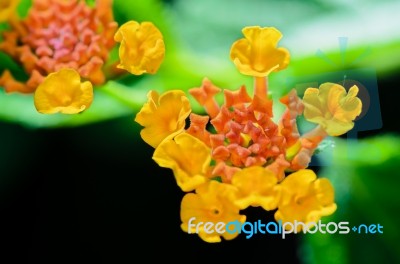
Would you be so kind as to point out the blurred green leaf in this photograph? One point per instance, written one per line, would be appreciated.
(23, 7)
(8, 63)
(365, 176)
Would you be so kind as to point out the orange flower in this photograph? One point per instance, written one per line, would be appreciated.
(332, 108)
(305, 198)
(142, 47)
(210, 204)
(163, 116)
(257, 54)
(63, 92)
(256, 187)
(188, 157)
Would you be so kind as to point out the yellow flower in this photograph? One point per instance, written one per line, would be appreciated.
(163, 116)
(257, 54)
(210, 203)
(305, 198)
(331, 108)
(188, 157)
(7, 9)
(257, 187)
(63, 92)
(142, 47)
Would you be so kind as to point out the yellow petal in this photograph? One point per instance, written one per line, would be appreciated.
(335, 127)
(312, 101)
(332, 108)
(63, 92)
(210, 203)
(297, 182)
(163, 116)
(188, 157)
(305, 198)
(7, 9)
(350, 106)
(324, 191)
(142, 48)
(257, 54)
(256, 187)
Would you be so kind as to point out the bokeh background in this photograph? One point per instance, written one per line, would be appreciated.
(85, 187)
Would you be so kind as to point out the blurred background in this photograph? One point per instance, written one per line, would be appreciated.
(85, 186)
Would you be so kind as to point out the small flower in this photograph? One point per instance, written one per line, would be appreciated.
(257, 54)
(63, 92)
(331, 108)
(142, 47)
(7, 9)
(188, 157)
(163, 116)
(257, 186)
(305, 198)
(210, 203)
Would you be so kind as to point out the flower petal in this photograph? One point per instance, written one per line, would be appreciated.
(305, 198)
(211, 203)
(313, 103)
(256, 187)
(163, 116)
(142, 47)
(331, 108)
(8, 9)
(350, 106)
(63, 92)
(257, 54)
(188, 157)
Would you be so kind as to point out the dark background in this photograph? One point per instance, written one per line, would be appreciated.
(93, 193)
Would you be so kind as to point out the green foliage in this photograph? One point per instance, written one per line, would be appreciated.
(365, 176)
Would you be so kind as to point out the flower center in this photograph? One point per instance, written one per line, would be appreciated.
(328, 115)
(249, 139)
(215, 211)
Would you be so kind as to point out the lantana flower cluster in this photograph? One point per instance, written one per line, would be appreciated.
(235, 155)
(64, 47)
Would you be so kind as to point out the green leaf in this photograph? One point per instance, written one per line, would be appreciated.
(365, 177)
(23, 7)
(8, 63)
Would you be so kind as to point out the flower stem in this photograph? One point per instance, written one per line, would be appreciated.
(315, 136)
(309, 142)
(261, 86)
